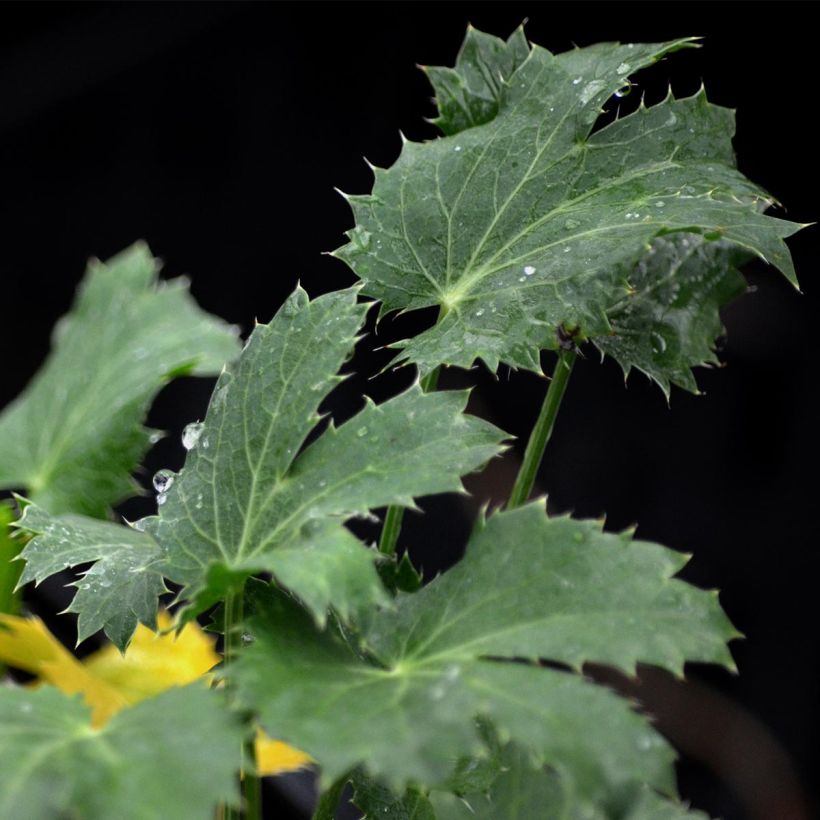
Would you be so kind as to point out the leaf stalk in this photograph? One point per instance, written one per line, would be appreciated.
(543, 430)
(251, 789)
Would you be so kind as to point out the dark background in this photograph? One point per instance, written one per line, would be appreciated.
(218, 131)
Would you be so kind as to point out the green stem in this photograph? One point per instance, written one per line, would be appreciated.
(392, 521)
(329, 799)
(543, 430)
(234, 601)
(10, 569)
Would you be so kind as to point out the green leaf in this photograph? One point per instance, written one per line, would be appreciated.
(399, 574)
(376, 800)
(471, 93)
(667, 322)
(529, 587)
(249, 501)
(73, 437)
(652, 806)
(529, 220)
(533, 587)
(522, 791)
(174, 753)
(122, 587)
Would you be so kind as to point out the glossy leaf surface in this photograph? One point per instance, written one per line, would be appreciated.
(524, 219)
(529, 587)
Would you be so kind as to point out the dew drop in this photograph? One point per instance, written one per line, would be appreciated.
(568, 249)
(161, 498)
(361, 432)
(658, 343)
(163, 481)
(660, 203)
(623, 68)
(191, 434)
(529, 270)
(247, 638)
(155, 437)
(624, 90)
(577, 80)
(457, 148)
(479, 312)
(522, 278)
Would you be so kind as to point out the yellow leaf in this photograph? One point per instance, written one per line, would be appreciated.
(155, 662)
(108, 680)
(27, 644)
(275, 757)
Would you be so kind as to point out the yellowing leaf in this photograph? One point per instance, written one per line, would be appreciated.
(109, 681)
(27, 644)
(275, 757)
(155, 662)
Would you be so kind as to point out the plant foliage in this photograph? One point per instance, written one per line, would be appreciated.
(531, 224)
(524, 219)
(72, 439)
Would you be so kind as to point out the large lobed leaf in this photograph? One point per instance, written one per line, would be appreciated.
(529, 587)
(522, 220)
(249, 501)
(74, 436)
(172, 755)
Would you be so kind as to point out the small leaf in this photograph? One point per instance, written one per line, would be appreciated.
(522, 791)
(54, 764)
(529, 587)
(525, 218)
(74, 436)
(122, 587)
(249, 500)
(377, 802)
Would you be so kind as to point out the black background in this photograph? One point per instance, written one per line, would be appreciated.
(218, 131)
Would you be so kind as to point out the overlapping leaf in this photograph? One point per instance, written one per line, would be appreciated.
(120, 589)
(523, 220)
(144, 762)
(523, 791)
(249, 501)
(667, 321)
(530, 587)
(73, 437)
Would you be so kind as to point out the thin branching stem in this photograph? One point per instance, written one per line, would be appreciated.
(543, 430)
(234, 603)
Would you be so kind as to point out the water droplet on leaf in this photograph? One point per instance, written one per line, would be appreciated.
(624, 90)
(163, 481)
(191, 434)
